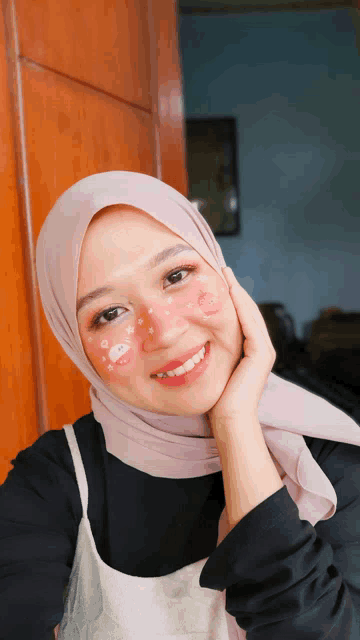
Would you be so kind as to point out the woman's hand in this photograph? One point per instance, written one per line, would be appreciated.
(241, 396)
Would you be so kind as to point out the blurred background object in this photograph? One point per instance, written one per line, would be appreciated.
(328, 364)
(211, 150)
(334, 330)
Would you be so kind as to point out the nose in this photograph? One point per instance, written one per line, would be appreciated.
(162, 326)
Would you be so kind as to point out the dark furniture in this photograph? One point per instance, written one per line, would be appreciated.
(328, 363)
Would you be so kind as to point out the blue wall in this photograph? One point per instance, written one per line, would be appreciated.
(292, 79)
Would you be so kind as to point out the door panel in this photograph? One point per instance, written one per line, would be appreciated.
(168, 93)
(102, 43)
(19, 416)
(72, 132)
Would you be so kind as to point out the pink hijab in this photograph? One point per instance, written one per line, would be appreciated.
(164, 445)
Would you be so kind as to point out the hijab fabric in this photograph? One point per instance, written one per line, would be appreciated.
(173, 446)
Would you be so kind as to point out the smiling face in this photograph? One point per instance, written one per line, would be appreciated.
(153, 314)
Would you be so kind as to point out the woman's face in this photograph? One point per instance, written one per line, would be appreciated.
(154, 314)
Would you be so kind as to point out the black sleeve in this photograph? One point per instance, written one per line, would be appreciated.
(38, 531)
(288, 580)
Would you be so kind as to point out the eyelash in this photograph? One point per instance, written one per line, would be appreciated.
(95, 324)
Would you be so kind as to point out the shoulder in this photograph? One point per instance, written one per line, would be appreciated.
(42, 485)
(53, 449)
(46, 467)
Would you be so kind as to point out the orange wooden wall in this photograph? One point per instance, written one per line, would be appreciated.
(87, 87)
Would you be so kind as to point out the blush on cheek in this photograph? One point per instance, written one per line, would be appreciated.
(209, 303)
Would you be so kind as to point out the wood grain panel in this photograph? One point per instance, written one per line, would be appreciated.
(19, 419)
(167, 90)
(104, 43)
(73, 131)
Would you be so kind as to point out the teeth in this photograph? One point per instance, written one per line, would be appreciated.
(180, 371)
(187, 366)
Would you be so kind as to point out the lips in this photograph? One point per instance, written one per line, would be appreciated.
(174, 364)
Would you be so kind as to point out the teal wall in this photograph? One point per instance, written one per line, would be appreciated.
(292, 80)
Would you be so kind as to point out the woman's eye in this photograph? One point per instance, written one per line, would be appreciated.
(108, 314)
(175, 273)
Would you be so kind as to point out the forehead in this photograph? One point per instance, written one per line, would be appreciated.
(122, 243)
(122, 225)
(119, 243)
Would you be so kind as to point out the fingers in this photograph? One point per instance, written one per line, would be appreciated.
(233, 282)
(237, 289)
(248, 312)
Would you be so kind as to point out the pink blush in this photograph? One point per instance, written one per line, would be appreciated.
(209, 303)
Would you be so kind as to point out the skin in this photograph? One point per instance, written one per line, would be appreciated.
(159, 317)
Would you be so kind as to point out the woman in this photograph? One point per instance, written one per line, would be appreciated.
(200, 504)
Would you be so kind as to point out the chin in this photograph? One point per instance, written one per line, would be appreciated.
(195, 406)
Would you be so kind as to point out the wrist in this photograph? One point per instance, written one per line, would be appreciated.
(249, 473)
(242, 424)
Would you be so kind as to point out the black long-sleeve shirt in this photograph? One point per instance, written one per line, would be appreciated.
(284, 578)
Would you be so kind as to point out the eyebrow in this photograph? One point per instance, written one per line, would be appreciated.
(151, 264)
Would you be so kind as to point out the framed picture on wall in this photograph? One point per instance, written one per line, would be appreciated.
(212, 171)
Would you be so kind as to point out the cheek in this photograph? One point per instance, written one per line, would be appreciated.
(209, 304)
(209, 299)
(114, 356)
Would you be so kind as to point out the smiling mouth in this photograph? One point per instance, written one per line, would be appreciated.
(186, 376)
(187, 366)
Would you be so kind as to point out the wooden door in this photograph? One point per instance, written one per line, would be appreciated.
(88, 87)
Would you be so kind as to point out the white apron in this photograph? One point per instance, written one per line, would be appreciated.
(105, 604)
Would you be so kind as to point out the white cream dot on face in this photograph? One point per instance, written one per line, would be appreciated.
(117, 351)
(104, 344)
